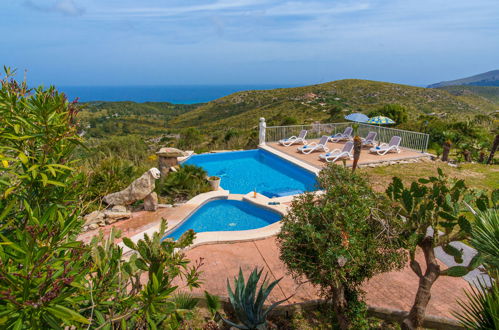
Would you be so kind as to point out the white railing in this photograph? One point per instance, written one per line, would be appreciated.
(410, 140)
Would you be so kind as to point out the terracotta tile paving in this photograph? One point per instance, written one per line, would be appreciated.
(365, 157)
(394, 290)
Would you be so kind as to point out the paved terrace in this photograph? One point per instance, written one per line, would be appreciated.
(365, 157)
(395, 290)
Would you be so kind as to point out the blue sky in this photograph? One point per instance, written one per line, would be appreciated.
(148, 42)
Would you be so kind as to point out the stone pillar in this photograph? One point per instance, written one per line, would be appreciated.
(167, 157)
(263, 127)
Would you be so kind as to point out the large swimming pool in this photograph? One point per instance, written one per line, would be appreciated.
(245, 171)
(226, 215)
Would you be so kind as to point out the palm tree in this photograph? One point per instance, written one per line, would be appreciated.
(481, 310)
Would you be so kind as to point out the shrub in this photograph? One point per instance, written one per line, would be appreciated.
(339, 239)
(49, 279)
(393, 111)
(187, 182)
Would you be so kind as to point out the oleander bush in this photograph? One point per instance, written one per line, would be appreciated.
(48, 278)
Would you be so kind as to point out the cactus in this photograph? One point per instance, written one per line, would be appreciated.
(248, 303)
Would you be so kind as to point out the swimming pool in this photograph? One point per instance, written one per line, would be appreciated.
(244, 171)
(226, 215)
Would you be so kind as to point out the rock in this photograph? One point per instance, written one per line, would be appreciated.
(93, 217)
(171, 152)
(151, 202)
(136, 191)
(93, 226)
(119, 208)
(109, 221)
(117, 215)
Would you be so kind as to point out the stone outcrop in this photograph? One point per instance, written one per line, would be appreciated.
(167, 158)
(136, 191)
(98, 219)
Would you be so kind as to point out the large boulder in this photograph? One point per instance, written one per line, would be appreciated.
(137, 190)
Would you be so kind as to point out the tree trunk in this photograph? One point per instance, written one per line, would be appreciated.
(417, 313)
(481, 157)
(495, 145)
(446, 151)
(467, 155)
(357, 148)
(340, 306)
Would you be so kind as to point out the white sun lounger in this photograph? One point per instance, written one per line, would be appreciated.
(295, 139)
(346, 135)
(314, 146)
(336, 154)
(384, 148)
(369, 140)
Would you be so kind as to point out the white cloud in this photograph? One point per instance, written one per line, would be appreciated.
(65, 7)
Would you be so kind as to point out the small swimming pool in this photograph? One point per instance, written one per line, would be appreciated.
(226, 215)
(244, 171)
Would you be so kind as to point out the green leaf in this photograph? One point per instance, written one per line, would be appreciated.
(23, 158)
(456, 271)
(454, 252)
(447, 216)
(140, 263)
(129, 243)
(464, 224)
(475, 261)
(65, 313)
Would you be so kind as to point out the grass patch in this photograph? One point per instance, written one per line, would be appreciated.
(478, 176)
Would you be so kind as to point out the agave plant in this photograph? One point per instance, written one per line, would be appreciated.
(247, 303)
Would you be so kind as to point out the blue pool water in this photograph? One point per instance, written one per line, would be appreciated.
(226, 215)
(244, 171)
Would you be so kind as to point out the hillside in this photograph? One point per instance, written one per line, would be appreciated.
(489, 92)
(100, 119)
(490, 78)
(310, 103)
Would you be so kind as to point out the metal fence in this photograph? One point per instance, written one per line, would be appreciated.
(410, 140)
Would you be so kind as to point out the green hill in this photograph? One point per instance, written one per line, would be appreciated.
(489, 92)
(310, 103)
(490, 78)
(100, 119)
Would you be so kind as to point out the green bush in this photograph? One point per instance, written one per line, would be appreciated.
(187, 182)
(49, 279)
(393, 111)
(339, 239)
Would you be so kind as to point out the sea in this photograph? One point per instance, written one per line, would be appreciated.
(184, 94)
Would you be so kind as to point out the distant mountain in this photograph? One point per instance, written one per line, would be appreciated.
(490, 78)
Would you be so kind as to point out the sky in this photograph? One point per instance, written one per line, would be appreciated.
(211, 42)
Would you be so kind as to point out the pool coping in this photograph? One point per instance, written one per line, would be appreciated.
(215, 237)
(315, 170)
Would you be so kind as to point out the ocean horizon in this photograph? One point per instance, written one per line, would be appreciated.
(180, 94)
